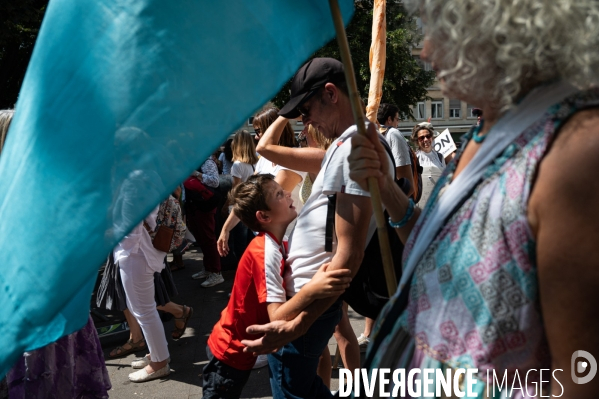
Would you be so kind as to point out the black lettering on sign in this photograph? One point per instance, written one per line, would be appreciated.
(438, 147)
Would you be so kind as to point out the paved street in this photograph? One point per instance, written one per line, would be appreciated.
(188, 354)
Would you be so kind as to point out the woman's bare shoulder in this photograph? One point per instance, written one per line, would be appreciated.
(567, 174)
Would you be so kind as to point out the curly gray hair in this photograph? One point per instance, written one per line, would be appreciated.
(500, 49)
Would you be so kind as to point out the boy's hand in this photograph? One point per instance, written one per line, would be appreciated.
(326, 284)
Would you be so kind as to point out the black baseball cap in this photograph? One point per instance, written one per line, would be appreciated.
(312, 76)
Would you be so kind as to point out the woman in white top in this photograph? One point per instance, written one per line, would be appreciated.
(422, 136)
(290, 180)
(431, 161)
(138, 260)
(308, 157)
(244, 157)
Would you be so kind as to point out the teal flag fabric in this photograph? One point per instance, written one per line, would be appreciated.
(122, 99)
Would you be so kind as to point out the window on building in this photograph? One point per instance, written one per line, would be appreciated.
(251, 121)
(455, 108)
(420, 111)
(427, 66)
(437, 109)
(469, 111)
(420, 26)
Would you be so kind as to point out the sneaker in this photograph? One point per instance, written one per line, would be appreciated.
(363, 341)
(261, 361)
(213, 279)
(200, 275)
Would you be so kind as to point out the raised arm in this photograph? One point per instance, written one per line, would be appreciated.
(564, 218)
(288, 179)
(304, 159)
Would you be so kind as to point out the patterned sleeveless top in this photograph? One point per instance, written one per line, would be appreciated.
(474, 298)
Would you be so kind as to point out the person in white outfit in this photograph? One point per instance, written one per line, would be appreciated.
(138, 260)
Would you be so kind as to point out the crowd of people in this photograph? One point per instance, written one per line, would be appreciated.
(498, 269)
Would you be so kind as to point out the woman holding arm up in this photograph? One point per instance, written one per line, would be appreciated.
(290, 179)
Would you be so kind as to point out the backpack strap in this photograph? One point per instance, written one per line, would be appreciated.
(331, 206)
(330, 225)
(440, 157)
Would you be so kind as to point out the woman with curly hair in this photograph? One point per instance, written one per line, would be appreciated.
(484, 282)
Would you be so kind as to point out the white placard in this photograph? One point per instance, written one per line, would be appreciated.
(444, 144)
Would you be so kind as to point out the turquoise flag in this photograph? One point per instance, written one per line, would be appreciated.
(121, 101)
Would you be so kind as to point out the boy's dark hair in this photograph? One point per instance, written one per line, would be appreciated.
(386, 111)
(250, 197)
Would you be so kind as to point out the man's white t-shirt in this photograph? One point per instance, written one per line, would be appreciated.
(242, 170)
(306, 244)
(399, 147)
(265, 166)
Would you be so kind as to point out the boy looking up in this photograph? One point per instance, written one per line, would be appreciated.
(259, 294)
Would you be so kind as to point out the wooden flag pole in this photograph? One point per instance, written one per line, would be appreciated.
(373, 187)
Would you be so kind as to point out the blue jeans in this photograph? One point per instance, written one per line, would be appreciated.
(293, 368)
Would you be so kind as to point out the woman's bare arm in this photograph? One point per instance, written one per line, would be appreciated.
(304, 159)
(288, 179)
(223, 240)
(564, 218)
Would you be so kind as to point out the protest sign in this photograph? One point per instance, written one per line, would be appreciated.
(444, 143)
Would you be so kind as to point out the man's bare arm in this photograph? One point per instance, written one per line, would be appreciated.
(325, 283)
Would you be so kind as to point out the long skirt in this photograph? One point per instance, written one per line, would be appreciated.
(72, 367)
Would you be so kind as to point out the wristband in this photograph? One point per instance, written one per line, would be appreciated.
(407, 217)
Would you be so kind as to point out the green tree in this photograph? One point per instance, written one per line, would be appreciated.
(405, 80)
(20, 21)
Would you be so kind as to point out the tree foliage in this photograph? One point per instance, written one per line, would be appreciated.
(404, 85)
(20, 21)
(405, 80)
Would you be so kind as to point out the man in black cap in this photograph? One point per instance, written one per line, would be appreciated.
(319, 95)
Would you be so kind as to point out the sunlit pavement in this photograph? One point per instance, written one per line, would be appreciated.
(188, 354)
